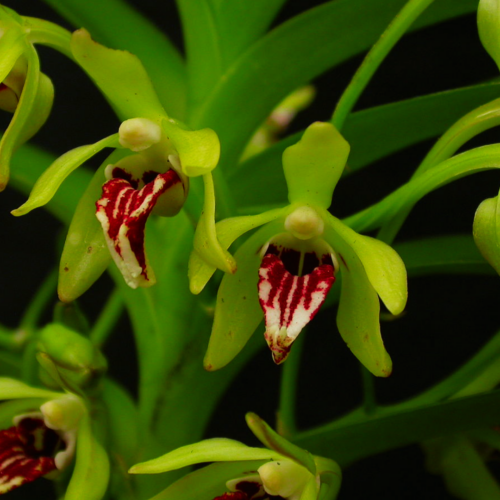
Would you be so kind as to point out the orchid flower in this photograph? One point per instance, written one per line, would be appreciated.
(287, 267)
(24, 90)
(158, 155)
(281, 470)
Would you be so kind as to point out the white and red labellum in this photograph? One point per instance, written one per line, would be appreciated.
(246, 488)
(27, 452)
(293, 284)
(123, 211)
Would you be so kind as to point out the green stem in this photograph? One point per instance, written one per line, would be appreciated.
(396, 29)
(370, 400)
(107, 319)
(287, 425)
(9, 340)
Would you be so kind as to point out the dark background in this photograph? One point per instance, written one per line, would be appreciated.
(448, 317)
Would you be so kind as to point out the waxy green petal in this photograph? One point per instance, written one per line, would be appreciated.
(209, 450)
(12, 45)
(359, 309)
(238, 312)
(14, 389)
(488, 21)
(384, 267)
(120, 76)
(49, 182)
(90, 477)
(227, 230)
(205, 238)
(85, 255)
(486, 231)
(198, 150)
(314, 165)
(268, 437)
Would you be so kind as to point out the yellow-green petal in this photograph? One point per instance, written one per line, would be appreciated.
(488, 20)
(120, 76)
(314, 165)
(14, 389)
(49, 182)
(238, 312)
(486, 231)
(227, 231)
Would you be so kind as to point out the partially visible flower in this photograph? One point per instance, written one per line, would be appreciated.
(287, 267)
(281, 471)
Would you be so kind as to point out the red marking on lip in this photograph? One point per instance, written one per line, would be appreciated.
(26, 453)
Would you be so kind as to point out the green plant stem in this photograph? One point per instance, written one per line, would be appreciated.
(396, 29)
(369, 397)
(8, 339)
(107, 319)
(287, 425)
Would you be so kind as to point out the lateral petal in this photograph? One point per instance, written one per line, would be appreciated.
(123, 212)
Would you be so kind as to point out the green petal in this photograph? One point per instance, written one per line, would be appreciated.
(486, 231)
(488, 19)
(208, 482)
(120, 76)
(50, 181)
(310, 492)
(384, 267)
(85, 255)
(238, 312)
(268, 437)
(198, 150)
(209, 450)
(314, 165)
(12, 45)
(89, 480)
(205, 238)
(11, 139)
(359, 309)
(14, 389)
(227, 230)
(330, 476)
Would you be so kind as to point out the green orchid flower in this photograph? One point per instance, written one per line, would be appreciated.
(288, 266)
(152, 175)
(24, 90)
(281, 470)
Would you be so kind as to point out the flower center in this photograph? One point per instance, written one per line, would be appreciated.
(304, 223)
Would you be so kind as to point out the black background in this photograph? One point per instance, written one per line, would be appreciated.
(447, 319)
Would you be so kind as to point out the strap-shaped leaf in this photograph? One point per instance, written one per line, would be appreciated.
(209, 450)
(227, 230)
(120, 76)
(49, 182)
(238, 312)
(89, 480)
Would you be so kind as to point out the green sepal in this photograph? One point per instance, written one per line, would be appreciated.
(16, 130)
(331, 478)
(120, 76)
(384, 267)
(310, 491)
(268, 437)
(314, 165)
(90, 477)
(50, 181)
(227, 231)
(9, 17)
(12, 45)
(208, 482)
(77, 359)
(486, 231)
(198, 150)
(359, 308)
(85, 255)
(15, 389)
(488, 21)
(205, 239)
(238, 312)
(208, 450)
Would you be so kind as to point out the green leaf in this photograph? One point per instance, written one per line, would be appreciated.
(486, 231)
(89, 480)
(488, 20)
(314, 165)
(268, 437)
(238, 312)
(120, 76)
(227, 230)
(110, 22)
(373, 133)
(358, 314)
(15, 389)
(209, 450)
(50, 181)
(207, 482)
